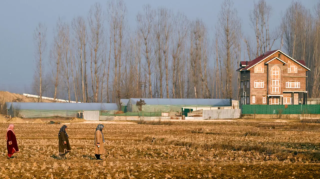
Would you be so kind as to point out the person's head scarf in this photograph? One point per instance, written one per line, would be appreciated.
(99, 127)
(63, 129)
(10, 128)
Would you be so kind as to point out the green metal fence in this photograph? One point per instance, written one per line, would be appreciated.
(280, 109)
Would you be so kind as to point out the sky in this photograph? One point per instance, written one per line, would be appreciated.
(19, 19)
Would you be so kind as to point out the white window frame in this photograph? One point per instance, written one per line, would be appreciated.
(292, 84)
(264, 100)
(258, 84)
(285, 101)
(294, 70)
(275, 89)
(275, 99)
(253, 99)
(276, 72)
(275, 83)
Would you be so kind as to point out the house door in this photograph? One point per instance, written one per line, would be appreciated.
(274, 101)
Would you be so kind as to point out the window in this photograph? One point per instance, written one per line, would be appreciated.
(248, 84)
(292, 69)
(274, 100)
(248, 100)
(264, 100)
(275, 77)
(275, 89)
(242, 84)
(259, 69)
(287, 100)
(275, 73)
(258, 84)
(291, 84)
(275, 83)
(253, 99)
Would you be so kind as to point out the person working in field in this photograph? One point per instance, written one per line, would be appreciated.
(64, 145)
(12, 144)
(98, 142)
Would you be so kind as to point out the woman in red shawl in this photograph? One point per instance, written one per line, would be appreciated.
(12, 144)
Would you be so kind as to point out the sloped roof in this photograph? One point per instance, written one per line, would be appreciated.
(267, 54)
(175, 101)
(258, 59)
(302, 62)
(239, 69)
(63, 106)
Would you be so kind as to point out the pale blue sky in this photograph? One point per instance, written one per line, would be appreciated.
(19, 19)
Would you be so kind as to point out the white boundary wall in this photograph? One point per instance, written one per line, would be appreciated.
(91, 115)
(222, 114)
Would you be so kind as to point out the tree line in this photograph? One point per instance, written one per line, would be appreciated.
(98, 58)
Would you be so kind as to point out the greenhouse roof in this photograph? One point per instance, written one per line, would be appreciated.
(63, 106)
(124, 102)
(174, 101)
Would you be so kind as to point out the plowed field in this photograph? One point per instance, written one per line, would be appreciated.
(168, 150)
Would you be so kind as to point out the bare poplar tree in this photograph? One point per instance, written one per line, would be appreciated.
(297, 27)
(108, 72)
(74, 72)
(57, 55)
(96, 47)
(199, 59)
(167, 30)
(316, 55)
(193, 62)
(66, 62)
(229, 33)
(80, 38)
(217, 69)
(158, 33)
(145, 22)
(138, 65)
(117, 12)
(40, 44)
(162, 32)
(179, 37)
(259, 17)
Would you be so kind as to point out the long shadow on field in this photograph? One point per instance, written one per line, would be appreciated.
(89, 157)
(289, 127)
(270, 149)
(56, 157)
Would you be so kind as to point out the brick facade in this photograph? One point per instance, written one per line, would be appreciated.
(274, 78)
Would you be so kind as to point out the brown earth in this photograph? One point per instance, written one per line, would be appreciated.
(6, 96)
(239, 149)
(39, 121)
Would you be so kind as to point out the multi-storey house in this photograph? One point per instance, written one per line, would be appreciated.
(273, 78)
